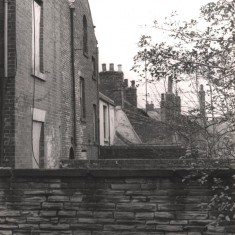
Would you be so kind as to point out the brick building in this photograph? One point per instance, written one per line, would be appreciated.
(49, 77)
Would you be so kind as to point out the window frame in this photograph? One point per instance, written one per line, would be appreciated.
(85, 36)
(37, 43)
(95, 124)
(82, 99)
(106, 122)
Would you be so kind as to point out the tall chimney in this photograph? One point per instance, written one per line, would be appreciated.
(111, 67)
(170, 85)
(202, 101)
(119, 68)
(125, 82)
(104, 67)
(133, 83)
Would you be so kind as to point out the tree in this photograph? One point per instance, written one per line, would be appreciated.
(203, 47)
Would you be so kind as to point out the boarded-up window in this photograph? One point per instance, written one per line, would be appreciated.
(38, 145)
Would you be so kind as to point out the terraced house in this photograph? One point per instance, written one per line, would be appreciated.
(48, 73)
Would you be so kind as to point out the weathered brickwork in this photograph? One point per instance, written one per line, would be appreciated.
(54, 95)
(98, 202)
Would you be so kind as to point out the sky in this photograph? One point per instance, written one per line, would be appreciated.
(120, 23)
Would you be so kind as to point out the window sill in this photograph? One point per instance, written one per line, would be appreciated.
(83, 120)
(39, 75)
(85, 54)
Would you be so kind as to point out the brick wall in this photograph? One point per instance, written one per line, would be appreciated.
(111, 85)
(103, 201)
(54, 94)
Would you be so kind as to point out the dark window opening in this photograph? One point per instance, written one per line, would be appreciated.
(85, 36)
(95, 126)
(82, 98)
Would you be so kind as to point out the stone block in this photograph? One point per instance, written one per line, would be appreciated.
(124, 215)
(119, 227)
(145, 215)
(136, 207)
(169, 228)
(179, 222)
(164, 215)
(28, 226)
(103, 214)
(2, 232)
(46, 213)
(54, 227)
(82, 226)
(188, 215)
(67, 213)
(125, 186)
(171, 207)
(9, 213)
(52, 205)
(58, 198)
(87, 220)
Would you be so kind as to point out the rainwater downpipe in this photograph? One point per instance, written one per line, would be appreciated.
(6, 39)
(72, 8)
(5, 73)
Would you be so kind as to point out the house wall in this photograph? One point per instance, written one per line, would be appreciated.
(54, 95)
(104, 202)
(111, 123)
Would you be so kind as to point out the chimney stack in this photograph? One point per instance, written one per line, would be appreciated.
(133, 83)
(202, 100)
(111, 67)
(104, 67)
(125, 82)
(119, 68)
(170, 85)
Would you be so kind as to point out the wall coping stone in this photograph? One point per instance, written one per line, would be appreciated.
(118, 168)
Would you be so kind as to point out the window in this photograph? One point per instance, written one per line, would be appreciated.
(38, 144)
(38, 138)
(105, 121)
(82, 98)
(95, 127)
(85, 36)
(37, 38)
(93, 68)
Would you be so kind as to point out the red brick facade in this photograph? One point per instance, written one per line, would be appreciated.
(54, 95)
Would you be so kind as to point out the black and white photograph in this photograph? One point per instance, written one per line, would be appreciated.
(117, 117)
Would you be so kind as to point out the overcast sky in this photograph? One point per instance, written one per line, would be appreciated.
(120, 23)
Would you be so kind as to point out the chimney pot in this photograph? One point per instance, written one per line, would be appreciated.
(111, 67)
(133, 83)
(125, 82)
(119, 68)
(104, 67)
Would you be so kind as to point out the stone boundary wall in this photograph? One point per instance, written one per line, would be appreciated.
(142, 151)
(104, 202)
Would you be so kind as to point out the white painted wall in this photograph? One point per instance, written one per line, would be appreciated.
(110, 121)
(124, 127)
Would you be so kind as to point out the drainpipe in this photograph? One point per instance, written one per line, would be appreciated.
(5, 74)
(6, 39)
(72, 8)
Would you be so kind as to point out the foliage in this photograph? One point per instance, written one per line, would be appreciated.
(201, 48)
